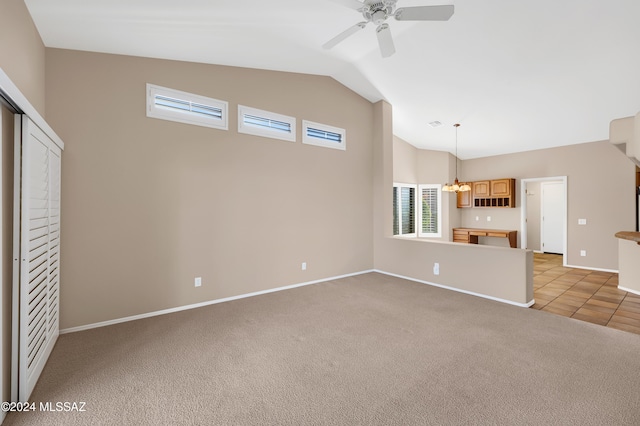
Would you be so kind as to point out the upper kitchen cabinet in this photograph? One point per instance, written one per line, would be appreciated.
(502, 187)
(481, 188)
(494, 193)
(489, 193)
(464, 199)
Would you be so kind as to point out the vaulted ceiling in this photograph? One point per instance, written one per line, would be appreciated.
(518, 75)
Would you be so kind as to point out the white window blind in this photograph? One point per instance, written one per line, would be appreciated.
(323, 135)
(183, 107)
(430, 211)
(404, 209)
(267, 124)
(194, 108)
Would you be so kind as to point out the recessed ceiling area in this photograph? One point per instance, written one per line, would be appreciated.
(516, 75)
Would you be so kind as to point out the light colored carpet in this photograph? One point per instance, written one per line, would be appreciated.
(364, 350)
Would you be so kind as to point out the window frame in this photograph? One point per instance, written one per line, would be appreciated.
(310, 140)
(266, 132)
(399, 209)
(438, 190)
(186, 117)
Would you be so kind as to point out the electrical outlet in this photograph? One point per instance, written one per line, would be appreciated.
(583, 252)
(436, 268)
(304, 266)
(488, 218)
(198, 281)
(477, 218)
(582, 221)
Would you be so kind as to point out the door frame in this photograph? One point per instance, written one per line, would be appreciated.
(523, 211)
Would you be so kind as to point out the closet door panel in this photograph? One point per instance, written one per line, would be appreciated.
(39, 254)
(54, 239)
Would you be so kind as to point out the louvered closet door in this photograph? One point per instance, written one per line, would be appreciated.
(39, 248)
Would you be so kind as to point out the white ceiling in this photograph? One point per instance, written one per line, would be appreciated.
(518, 75)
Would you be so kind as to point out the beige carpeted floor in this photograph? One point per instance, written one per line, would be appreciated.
(364, 350)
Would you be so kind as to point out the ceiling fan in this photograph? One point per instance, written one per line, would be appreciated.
(377, 11)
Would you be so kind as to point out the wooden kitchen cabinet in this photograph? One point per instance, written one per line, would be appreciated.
(461, 236)
(495, 193)
(470, 235)
(464, 199)
(489, 193)
(481, 188)
(501, 187)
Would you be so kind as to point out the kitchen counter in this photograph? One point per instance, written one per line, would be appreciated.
(628, 235)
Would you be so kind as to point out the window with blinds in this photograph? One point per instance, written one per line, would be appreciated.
(404, 209)
(429, 213)
(267, 124)
(184, 107)
(323, 135)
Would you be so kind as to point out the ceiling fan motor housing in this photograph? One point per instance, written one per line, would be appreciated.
(378, 11)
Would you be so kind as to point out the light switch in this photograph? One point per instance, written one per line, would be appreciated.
(582, 221)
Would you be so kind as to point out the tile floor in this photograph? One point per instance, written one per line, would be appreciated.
(583, 294)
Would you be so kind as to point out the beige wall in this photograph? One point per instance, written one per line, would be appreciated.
(435, 166)
(22, 53)
(383, 175)
(600, 186)
(148, 205)
(533, 215)
(405, 162)
(500, 273)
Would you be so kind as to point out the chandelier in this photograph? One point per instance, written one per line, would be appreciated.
(456, 187)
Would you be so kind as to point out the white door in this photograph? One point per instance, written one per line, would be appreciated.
(39, 254)
(552, 232)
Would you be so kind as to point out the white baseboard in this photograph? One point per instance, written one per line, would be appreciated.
(615, 271)
(628, 290)
(201, 304)
(484, 296)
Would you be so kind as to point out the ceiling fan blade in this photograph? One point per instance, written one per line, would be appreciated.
(351, 4)
(343, 35)
(424, 13)
(385, 41)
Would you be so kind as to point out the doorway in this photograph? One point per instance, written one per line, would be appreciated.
(532, 231)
